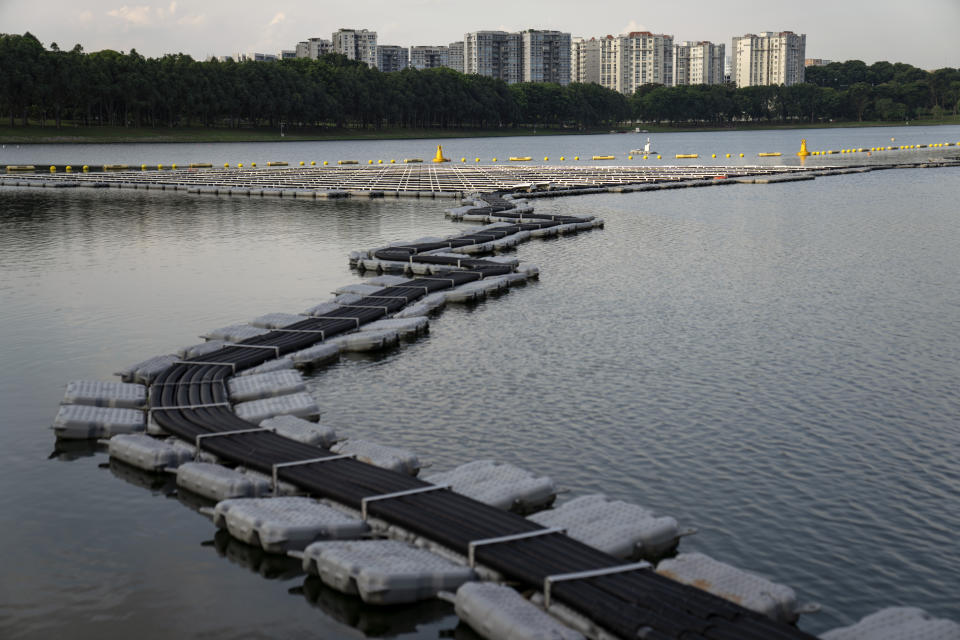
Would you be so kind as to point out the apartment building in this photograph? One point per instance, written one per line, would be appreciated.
(698, 63)
(455, 56)
(313, 48)
(493, 53)
(392, 58)
(770, 58)
(546, 56)
(429, 57)
(356, 44)
(624, 62)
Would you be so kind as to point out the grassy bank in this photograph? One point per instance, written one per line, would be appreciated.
(36, 134)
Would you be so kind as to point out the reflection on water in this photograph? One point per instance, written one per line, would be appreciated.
(268, 565)
(772, 364)
(373, 621)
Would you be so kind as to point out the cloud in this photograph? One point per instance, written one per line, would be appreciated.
(633, 25)
(139, 15)
(192, 21)
(277, 19)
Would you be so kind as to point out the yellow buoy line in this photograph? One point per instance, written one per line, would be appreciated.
(439, 158)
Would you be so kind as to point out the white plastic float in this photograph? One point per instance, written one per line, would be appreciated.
(82, 422)
(406, 328)
(277, 364)
(499, 612)
(424, 306)
(776, 601)
(316, 355)
(201, 349)
(500, 485)
(393, 458)
(265, 385)
(216, 482)
(149, 454)
(319, 435)
(367, 341)
(619, 528)
(95, 393)
(301, 405)
(359, 289)
(281, 524)
(144, 372)
(383, 571)
(897, 623)
(234, 333)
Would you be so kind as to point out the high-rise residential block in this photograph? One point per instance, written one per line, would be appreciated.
(392, 58)
(624, 62)
(356, 44)
(429, 57)
(698, 63)
(493, 53)
(546, 56)
(455, 56)
(770, 58)
(314, 48)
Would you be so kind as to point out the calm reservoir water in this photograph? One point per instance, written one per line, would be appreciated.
(774, 365)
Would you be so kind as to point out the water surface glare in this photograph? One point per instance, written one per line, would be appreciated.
(775, 365)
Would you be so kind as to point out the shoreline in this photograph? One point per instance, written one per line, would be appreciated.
(34, 134)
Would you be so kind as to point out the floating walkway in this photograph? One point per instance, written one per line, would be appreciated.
(460, 539)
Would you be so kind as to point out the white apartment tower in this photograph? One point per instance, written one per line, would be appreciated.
(356, 44)
(585, 60)
(392, 58)
(769, 58)
(546, 56)
(624, 62)
(455, 56)
(314, 48)
(698, 63)
(430, 57)
(493, 53)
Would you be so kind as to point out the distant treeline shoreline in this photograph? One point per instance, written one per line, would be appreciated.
(51, 86)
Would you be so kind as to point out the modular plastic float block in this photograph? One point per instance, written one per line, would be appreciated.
(265, 385)
(897, 623)
(95, 393)
(217, 482)
(405, 327)
(498, 612)
(359, 289)
(149, 454)
(201, 349)
(504, 486)
(384, 571)
(621, 529)
(392, 458)
(277, 364)
(320, 435)
(234, 333)
(776, 601)
(316, 355)
(297, 404)
(144, 372)
(285, 524)
(81, 422)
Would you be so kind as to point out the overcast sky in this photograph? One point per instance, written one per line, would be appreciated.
(925, 33)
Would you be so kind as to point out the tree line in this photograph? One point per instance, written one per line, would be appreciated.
(51, 86)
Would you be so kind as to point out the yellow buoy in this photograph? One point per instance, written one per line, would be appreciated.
(240, 165)
(644, 157)
(253, 164)
(464, 159)
(159, 167)
(439, 157)
(53, 169)
(803, 148)
(86, 168)
(392, 161)
(478, 160)
(576, 157)
(325, 163)
(69, 169)
(714, 156)
(173, 166)
(546, 159)
(629, 157)
(143, 167)
(659, 157)
(561, 158)
(728, 155)
(741, 155)
(302, 163)
(313, 163)
(494, 159)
